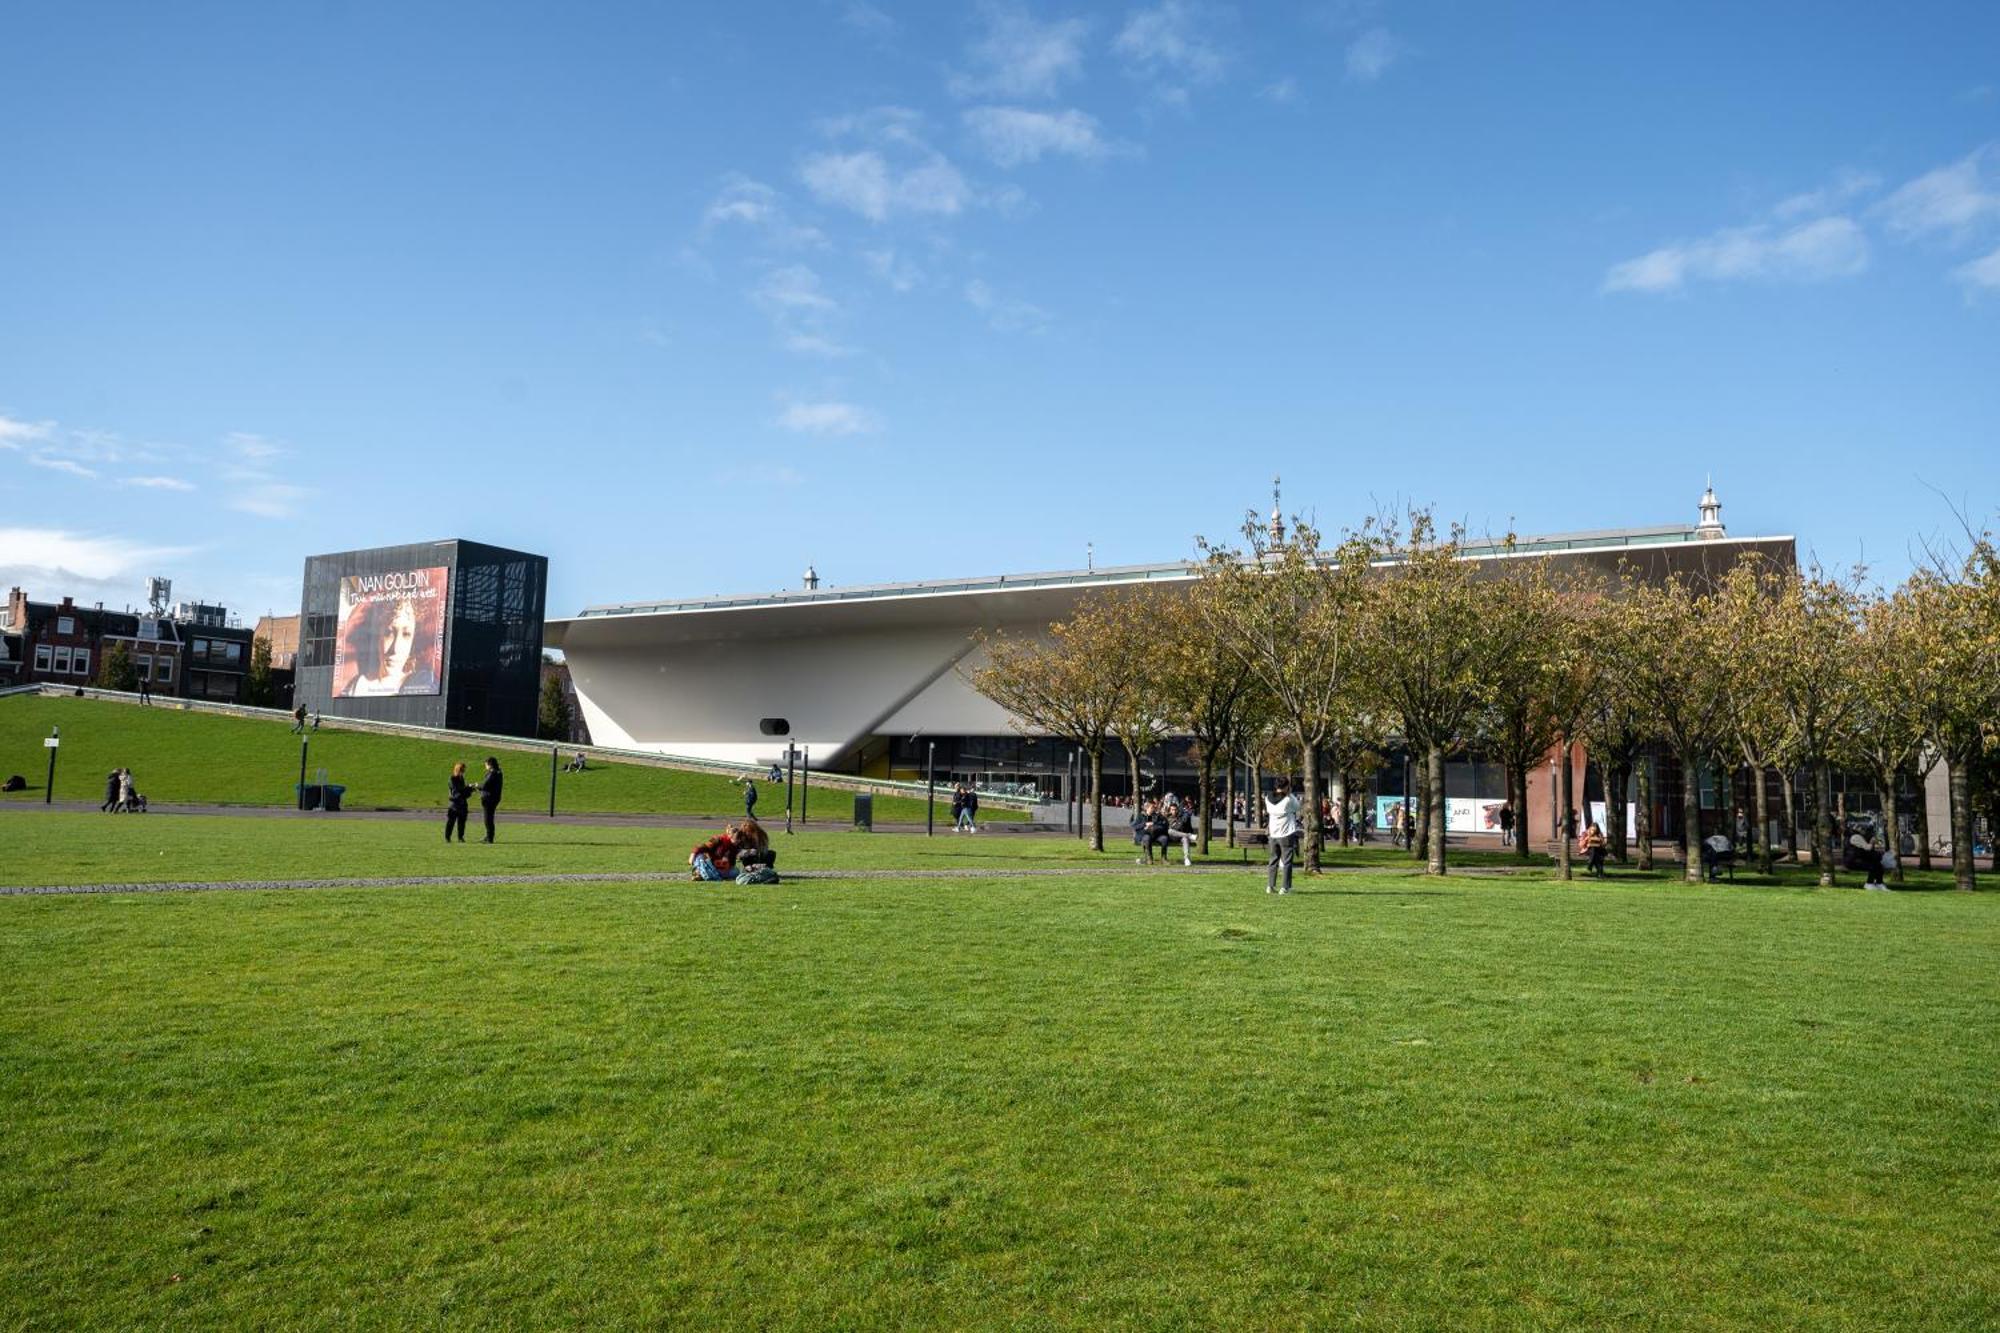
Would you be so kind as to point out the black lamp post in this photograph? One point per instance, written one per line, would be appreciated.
(53, 743)
(930, 795)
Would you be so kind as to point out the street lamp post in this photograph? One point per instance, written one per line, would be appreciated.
(791, 777)
(52, 743)
(930, 792)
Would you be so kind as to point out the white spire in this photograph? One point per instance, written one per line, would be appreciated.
(812, 578)
(1710, 526)
(1277, 517)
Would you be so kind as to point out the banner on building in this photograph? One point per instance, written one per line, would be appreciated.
(1462, 814)
(391, 638)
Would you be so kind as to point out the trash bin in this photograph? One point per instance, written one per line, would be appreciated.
(864, 811)
(332, 792)
(309, 795)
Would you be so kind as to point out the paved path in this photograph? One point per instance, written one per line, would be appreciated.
(595, 877)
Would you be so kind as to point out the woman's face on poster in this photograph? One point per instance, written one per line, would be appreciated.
(398, 641)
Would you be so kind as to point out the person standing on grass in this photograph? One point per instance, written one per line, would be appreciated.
(456, 802)
(489, 793)
(298, 719)
(1507, 826)
(1281, 810)
(749, 797)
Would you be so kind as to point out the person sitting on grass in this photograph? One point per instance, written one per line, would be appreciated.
(753, 845)
(575, 765)
(716, 858)
(1592, 844)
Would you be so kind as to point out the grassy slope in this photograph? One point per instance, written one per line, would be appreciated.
(200, 757)
(1161, 1100)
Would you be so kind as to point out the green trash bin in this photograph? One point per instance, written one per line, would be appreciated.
(864, 811)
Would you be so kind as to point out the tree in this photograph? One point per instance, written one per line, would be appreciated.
(1958, 679)
(1203, 689)
(1070, 685)
(1811, 664)
(552, 718)
(259, 691)
(1432, 655)
(117, 671)
(1888, 736)
(1291, 617)
(1670, 676)
(1747, 636)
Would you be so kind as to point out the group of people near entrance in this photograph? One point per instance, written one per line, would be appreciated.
(459, 796)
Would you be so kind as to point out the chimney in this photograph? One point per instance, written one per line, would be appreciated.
(17, 609)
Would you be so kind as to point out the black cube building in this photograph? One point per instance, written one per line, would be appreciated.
(435, 634)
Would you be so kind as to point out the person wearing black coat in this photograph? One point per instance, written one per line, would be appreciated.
(489, 793)
(111, 785)
(456, 803)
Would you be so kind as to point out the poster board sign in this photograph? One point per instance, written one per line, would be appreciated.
(391, 637)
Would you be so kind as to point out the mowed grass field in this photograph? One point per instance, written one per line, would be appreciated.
(1155, 1099)
(202, 758)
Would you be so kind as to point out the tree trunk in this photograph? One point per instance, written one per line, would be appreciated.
(1691, 814)
(1826, 841)
(1097, 799)
(1614, 809)
(1206, 797)
(1791, 815)
(1564, 800)
(1517, 797)
(1959, 781)
(1315, 832)
(1435, 864)
(1892, 821)
(1132, 776)
(1921, 780)
(1229, 800)
(1643, 822)
(1420, 844)
(1761, 835)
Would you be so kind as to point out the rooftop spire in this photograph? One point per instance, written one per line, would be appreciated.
(1277, 516)
(1710, 528)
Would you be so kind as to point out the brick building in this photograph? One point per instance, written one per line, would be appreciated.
(61, 643)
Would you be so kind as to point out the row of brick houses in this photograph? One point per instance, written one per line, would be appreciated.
(190, 654)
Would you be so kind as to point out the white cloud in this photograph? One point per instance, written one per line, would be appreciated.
(52, 562)
(1846, 186)
(1370, 55)
(866, 18)
(744, 202)
(1005, 314)
(801, 310)
(1810, 252)
(1951, 199)
(68, 465)
(14, 434)
(157, 483)
(1017, 55)
(867, 184)
(1174, 44)
(254, 447)
(1282, 92)
(1012, 135)
(269, 499)
(1982, 274)
(829, 418)
(895, 269)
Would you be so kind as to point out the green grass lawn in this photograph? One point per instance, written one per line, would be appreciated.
(1152, 1101)
(208, 758)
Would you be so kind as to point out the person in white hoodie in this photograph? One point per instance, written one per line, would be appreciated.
(1281, 812)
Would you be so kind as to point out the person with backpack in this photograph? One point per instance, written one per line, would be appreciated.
(489, 793)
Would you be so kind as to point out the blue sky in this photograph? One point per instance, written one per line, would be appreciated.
(686, 296)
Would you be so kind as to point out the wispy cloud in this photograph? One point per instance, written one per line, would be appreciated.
(1005, 314)
(14, 434)
(56, 561)
(65, 465)
(828, 418)
(1174, 46)
(1846, 186)
(867, 19)
(1280, 92)
(895, 172)
(1815, 251)
(1981, 275)
(1952, 200)
(1012, 136)
(743, 202)
(256, 487)
(1370, 55)
(1017, 55)
(801, 310)
(157, 483)
(894, 268)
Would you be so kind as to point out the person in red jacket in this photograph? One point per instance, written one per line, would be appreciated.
(721, 852)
